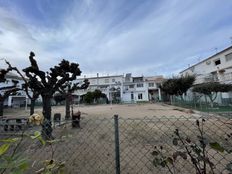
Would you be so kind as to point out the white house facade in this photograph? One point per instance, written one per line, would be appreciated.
(128, 89)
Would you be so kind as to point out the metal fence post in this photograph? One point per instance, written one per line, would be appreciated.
(117, 148)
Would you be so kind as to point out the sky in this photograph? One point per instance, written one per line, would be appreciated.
(114, 37)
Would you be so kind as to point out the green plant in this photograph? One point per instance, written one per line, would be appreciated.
(191, 150)
(50, 166)
(10, 159)
(161, 160)
(94, 97)
(211, 90)
(177, 85)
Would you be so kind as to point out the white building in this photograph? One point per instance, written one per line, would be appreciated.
(18, 99)
(127, 89)
(136, 89)
(216, 68)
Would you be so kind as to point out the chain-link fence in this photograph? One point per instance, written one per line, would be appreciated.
(124, 145)
(202, 105)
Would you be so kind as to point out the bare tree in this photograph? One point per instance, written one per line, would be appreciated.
(48, 83)
(67, 89)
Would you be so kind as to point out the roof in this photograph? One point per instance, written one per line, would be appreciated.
(100, 77)
(226, 49)
(105, 77)
(157, 79)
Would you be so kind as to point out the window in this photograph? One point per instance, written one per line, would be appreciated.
(140, 96)
(228, 57)
(139, 85)
(217, 62)
(131, 86)
(93, 81)
(113, 80)
(106, 80)
(151, 84)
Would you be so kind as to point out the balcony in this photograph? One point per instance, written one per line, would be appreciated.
(206, 78)
(226, 77)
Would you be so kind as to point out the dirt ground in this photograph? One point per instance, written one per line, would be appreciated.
(108, 111)
(91, 149)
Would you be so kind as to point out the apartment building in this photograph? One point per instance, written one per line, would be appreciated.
(126, 88)
(216, 68)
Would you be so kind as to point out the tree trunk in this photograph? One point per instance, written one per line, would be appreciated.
(206, 102)
(47, 124)
(1, 107)
(32, 107)
(211, 101)
(67, 106)
(211, 104)
(182, 98)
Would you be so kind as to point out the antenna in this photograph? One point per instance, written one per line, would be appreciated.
(216, 49)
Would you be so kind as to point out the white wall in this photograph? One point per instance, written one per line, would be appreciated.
(106, 80)
(126, 96)
(207, 66)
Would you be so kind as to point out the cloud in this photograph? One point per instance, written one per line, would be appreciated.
(149, 37)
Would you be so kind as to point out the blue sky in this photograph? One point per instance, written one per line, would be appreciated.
(144, 37)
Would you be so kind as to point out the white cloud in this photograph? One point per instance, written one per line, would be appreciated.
(101, 38)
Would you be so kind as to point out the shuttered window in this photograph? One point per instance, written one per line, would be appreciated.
(228, 57)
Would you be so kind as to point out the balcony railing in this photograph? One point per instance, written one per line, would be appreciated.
(206, 78)
(221, 77)
(226, 77)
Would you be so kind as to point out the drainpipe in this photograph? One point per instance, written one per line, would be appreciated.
(97, 80)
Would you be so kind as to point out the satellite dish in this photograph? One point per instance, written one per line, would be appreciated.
(208, 62)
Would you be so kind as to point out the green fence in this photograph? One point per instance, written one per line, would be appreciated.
(203, 106)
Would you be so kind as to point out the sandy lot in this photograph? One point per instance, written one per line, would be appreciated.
(91, 149)
(107, 111)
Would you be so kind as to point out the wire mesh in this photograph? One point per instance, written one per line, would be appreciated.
(140, 137)
(91, 148)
